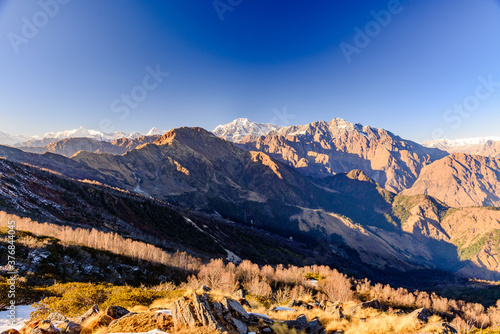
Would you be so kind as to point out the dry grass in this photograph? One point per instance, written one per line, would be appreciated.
(139, 308)
(282, 328)
(195, 330)
(101, 330)
(91, 324)
(141, 322)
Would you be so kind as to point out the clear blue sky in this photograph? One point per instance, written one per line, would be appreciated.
(264, 55)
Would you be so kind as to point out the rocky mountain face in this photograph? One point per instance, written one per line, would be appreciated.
(473, 232)
(461, 180)
(320, 149)
(485, 146)
(70, 146)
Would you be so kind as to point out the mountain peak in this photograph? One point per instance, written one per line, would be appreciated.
(154, 132)
(242, 127)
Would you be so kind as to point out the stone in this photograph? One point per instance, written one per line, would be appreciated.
(10, 331)
(375, 304)
(90, 312)
(301, 319)
(292, 303)
(241, 327)
(300, 323)
(203, 312)
(28, 327)
(314, 327)
(205, 288)
(45, 327)
(421, 314)
(183, 313)
(104, 321)
(235, 307)
(55, 316)
(70, 327)
(240, 294)
(116, 312)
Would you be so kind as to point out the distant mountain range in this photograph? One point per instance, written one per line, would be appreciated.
(362, 196)
(487, 146)
(53, 137)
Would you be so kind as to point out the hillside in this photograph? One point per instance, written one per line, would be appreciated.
(461, 180)
(474, 234)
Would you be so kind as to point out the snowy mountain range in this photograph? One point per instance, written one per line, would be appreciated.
(449, 143)
(81, 132)
(242, 127)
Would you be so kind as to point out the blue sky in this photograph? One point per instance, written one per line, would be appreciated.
(430, 69)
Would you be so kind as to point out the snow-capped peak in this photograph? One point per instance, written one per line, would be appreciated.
(242, 127)
(155, 132)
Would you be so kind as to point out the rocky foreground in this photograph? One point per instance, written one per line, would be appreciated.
(202, 312)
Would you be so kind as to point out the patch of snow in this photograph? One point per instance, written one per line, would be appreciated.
(21, 315)
(169, 312)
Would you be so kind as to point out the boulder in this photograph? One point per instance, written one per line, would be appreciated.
(241, 327)
(104, 321)
(70, 327)
(10, 331)
(45, 327)
(205, 288)
(314, 327)
(204, 313)
(240, 294)
(197, 311)
(28, 327)
(235, 308)
(374, 304)
(300, 323)
(116, 312)
(421, 314)
(90, 312)
(183, 313)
